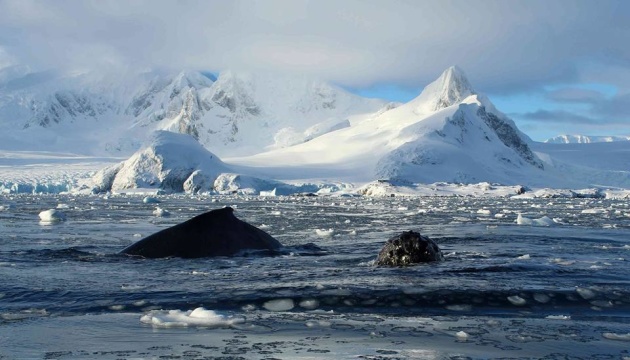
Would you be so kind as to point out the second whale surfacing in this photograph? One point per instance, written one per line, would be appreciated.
(214, 233)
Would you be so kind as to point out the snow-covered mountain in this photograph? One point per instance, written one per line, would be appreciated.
(273, 130)
(448, 133)
(238, 113)
(584, 139)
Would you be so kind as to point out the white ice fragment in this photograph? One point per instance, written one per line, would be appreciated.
(63, 206)
(543, 221)
(602, 303)
(276, 213)
(309, 304)
(586, 294)
(150, 200)
(353, 232)
(524, 257)
(279, 305)
(517, 300)
(558, 317)
(542, 298)
(594, 211)
(459, 307)
(483, 212)
(52, 215)
(268, 193)
(324, 232)
(616, 336)
(159, 212)
(461, 336)
(197, 317)
(347, 221)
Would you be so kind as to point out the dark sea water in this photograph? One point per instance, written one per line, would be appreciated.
(504, 291)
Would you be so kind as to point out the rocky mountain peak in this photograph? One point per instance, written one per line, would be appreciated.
(451, 88)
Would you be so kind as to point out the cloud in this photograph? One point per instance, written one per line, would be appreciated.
(557, 116)
(504, 46)
(576, 95)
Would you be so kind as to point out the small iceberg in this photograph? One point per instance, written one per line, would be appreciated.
(52, 216)
(198, 317)
(159, 212)
(543, 221)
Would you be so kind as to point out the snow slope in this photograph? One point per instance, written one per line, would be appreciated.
(584, 139)
(448, 133)
(169, 161)
(238, 113)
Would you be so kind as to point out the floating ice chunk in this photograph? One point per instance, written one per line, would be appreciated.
(63, 206)
(524, 257)
(602, 303)
(594, 211)
(484, 212)
(543, 221)
(268, 193)
(615, 336)
(459, 307)
(517, 300)
(542, 298)
(586, 294)
(198, 317)
(558, 317)
(150, 200)
(279, 305)
(309, 304)
(324, 233)
(51, 216)
(159, 212)
(461, 336)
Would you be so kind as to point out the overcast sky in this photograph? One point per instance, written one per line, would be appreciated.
(554, 66)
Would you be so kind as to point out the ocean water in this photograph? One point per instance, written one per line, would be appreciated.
(504, 291)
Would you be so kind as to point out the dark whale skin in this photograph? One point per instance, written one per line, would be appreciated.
(408, 248)
(214, 233)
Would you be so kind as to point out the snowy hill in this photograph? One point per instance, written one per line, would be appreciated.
(448, 133)
(170, 161)
(584, 139)
(114, 113)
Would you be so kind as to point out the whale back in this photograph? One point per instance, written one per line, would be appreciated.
(214, 233)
